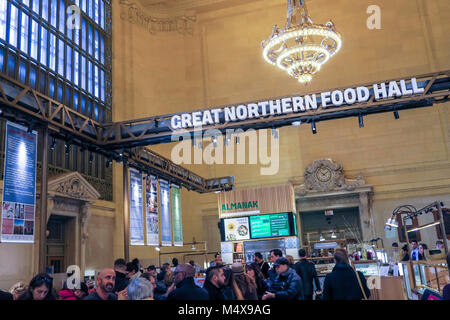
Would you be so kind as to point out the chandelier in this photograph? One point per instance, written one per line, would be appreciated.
(302, 47)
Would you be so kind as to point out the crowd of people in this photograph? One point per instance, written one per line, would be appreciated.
(256, 280)
(417, 251)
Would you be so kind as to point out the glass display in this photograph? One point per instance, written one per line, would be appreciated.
(368, 269)
(406, 278)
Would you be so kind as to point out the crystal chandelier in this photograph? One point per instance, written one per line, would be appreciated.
(302, 47)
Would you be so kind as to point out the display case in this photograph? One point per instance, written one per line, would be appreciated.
(419, 276)
(367, 267)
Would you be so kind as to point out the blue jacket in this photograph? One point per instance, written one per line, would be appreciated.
(187, 290)
(342, 284)
(287, 286)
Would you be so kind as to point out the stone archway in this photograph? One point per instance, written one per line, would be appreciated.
(71, 195)
(326, 187)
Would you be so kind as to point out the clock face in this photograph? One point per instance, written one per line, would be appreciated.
(323, 174)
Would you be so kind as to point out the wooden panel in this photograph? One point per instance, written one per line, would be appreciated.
(266, 200)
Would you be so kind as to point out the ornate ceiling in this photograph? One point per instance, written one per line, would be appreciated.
(198, 5)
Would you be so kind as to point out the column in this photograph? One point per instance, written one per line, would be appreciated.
(85, 215)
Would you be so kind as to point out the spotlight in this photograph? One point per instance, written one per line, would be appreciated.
(214, 140)
(238, 140)
(193, 247)
(53, 144)
(227, 140)
(333, 235)
(108, 162)
(274, 133)
(30, 128)
(321, 238)
(91, 157)
(396, 115)
(193, 141)
(122, 152)
(313, 127)
(68, 148)
(296, 123)
(361, 121)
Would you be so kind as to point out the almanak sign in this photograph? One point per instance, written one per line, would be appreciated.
(295, 104)
(247, 202)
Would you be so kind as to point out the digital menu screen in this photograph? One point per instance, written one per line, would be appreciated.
(236, 229)
(270, 225)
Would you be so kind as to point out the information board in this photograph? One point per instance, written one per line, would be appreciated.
(271, 225)
(19, 185)
(136, 211)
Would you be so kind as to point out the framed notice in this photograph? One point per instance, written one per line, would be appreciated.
(136, 211)
(19, 185)
(166, 234)
(151, 210)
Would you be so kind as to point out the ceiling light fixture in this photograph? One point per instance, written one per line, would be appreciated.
(302, 47)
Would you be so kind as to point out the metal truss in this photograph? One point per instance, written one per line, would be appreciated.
(155, 130)
(22, 104)
(123, 141)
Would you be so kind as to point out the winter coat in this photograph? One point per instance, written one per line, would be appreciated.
(214, 292)
(187, 290)
(121, 282)
(307, 271)
(67, 294)
(287, 286)
(342, 284)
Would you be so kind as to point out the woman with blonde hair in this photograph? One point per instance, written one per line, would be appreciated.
(18, 289)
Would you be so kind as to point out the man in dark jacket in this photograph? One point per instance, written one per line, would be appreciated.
(275, 254)
(287, 285)
(184, 287)
(307, 271)
(341, 283)
(120, 268)
(263, 265)
(215, 282)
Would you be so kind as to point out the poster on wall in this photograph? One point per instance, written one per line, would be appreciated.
(176, 215)
(236, 229)
(166, 235)
(19, 185)
(136, 213)
(151, 212)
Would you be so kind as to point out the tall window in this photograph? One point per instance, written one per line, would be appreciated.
(70, 65)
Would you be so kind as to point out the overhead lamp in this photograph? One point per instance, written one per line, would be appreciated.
(275, 133)
(396, 115)
(227, 140)
(238, 140)
(361, 121)
(321, 238)
(53, 144)
(333, 235)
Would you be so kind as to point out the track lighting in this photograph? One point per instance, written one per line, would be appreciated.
(274, 133)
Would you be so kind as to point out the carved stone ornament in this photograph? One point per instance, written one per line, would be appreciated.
(74, 186)
(326, 175)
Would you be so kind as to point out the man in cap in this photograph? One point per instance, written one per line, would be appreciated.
(184, 287)
(287, 285)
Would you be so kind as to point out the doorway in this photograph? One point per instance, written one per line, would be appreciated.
(58, 243)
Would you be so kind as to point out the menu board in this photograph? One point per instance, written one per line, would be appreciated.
(236, 229)
(270, 225)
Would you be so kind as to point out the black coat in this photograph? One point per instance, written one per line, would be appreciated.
(6, 295)
(121, 282)
(287, 286)
(187, 290)
(214, 292)
(307, 271)
(342, 284)
(264, 266)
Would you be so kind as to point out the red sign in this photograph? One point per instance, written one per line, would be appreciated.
(329, 212)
